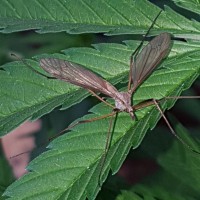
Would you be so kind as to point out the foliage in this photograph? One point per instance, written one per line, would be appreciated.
(70, 169)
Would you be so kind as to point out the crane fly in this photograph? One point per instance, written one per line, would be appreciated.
(140, 68)
(144, 64)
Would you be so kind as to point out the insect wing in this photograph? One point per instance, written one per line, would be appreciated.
(149, 58)
(77, 75)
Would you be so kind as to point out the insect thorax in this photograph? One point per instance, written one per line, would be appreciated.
(123, 102)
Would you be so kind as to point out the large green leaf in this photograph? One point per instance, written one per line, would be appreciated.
(192, 5)
(177, 176)
(18, 82)
(70, 169)
(88, 16)
(187, 163)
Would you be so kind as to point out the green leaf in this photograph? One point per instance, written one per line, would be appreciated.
(71, 168)
(18, 82)
(128, 195)
(179, 156)
(140, 192)
(177, 176)
(87, 16)
(18, 85)
(192, 5)
(151, 192)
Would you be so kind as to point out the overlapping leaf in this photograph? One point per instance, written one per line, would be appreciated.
(178, 166)
(70, 169)
(192, 5)
(89, 16)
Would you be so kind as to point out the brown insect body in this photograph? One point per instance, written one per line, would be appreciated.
(144, 64)
(123, 103)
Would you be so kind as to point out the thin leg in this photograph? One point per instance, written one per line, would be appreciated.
(135, 53)
(107, 146)
(68, 128)
(82, 122)
(143, 105)
(172, 130)
(130, 73)
(183, 97)
(151, 102)
(154, 102)
(101, 99)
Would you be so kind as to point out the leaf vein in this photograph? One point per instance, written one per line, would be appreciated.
(46, 10)
(119, 13)
(67, 10)
(90, 8)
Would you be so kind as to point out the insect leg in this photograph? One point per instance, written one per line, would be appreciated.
(155, 102)
(135, 53)
(107, 146)
(82, 122)
(101, 99)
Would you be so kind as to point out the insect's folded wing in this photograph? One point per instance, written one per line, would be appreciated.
(77, 75)
(149, 58)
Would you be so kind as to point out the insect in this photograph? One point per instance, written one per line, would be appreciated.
(143, 65)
